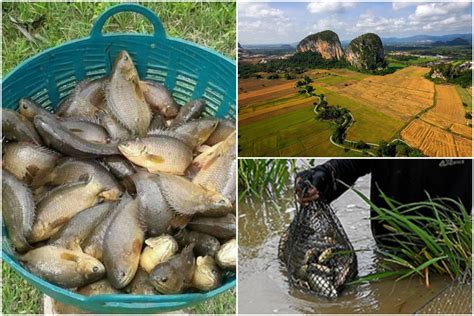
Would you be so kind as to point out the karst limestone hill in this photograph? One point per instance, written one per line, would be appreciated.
(364, 52)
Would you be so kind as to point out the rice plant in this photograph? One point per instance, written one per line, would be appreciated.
(269, 177)
(420, 244)
(264, 176)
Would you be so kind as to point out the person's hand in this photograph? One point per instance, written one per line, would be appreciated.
(308, 185)
(310, 195)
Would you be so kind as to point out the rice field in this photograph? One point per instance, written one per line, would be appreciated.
(431, 140)
(448, 109)
(400, 95)
(294, 133)
(274, 120)
(442, 131)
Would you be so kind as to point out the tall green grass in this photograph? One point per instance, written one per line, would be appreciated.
(270, 177)
(431, 236)
(264, 176)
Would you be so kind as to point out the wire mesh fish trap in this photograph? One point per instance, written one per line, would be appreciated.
(317, 252)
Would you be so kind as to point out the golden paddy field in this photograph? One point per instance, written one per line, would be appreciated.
(274, 120)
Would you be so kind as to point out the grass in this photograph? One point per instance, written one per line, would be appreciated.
(209, 24)
(269, 177)
(465, 97)
(440, 243)
(222, 304)
(264, 176)
(18, 296)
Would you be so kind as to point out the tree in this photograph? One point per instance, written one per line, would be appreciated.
(468, 115)
(309, 89)
(307, 79)
(338, 135)
(401, 150)
(258, 76)
(386, 150)
(361, 145)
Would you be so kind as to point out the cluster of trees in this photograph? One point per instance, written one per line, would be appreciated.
(298, 63)
(453, 74)
(334, 113)
(330, 112)
(361, 145)
(303, 82)
(397, 149)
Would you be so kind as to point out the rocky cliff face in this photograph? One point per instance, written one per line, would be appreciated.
(325, 43)
(365, 52)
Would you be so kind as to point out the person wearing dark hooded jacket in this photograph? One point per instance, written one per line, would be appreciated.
(403, 180)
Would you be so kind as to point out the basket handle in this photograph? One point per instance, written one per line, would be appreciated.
(158, 29)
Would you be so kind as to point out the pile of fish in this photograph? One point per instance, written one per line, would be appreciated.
(120, 190)
(316, 251)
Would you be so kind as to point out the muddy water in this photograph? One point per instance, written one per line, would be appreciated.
(263, 287)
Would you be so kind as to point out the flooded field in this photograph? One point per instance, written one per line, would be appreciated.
(263, 287)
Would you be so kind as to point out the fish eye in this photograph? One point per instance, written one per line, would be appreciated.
(222, 201)
(95, 269)
(164, 279)
(122, 274)
(125, 57)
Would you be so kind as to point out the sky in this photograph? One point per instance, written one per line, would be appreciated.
(290, 22)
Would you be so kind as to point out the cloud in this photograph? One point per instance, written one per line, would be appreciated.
(401, 5)
(330, 23)
(258, 10)
(259, 23)
(439, 9)
(329, 7)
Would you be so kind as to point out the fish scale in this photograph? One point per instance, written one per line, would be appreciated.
(313, 234)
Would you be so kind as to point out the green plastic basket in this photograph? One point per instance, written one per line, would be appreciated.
(188, 70)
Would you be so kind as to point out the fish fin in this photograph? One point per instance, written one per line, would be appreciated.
(168, 195)
(203, 148)
(60, 221)
(69, 256)
(155, 158)
(47, 151)
(180, 221)
(136, 246)
(143, 86)
(85, 118)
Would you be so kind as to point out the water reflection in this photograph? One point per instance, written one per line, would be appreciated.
(263, 287)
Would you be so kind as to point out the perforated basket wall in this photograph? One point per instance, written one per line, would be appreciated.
(188, 70)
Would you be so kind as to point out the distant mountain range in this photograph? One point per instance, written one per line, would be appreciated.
(426, 39)
(450, 39)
